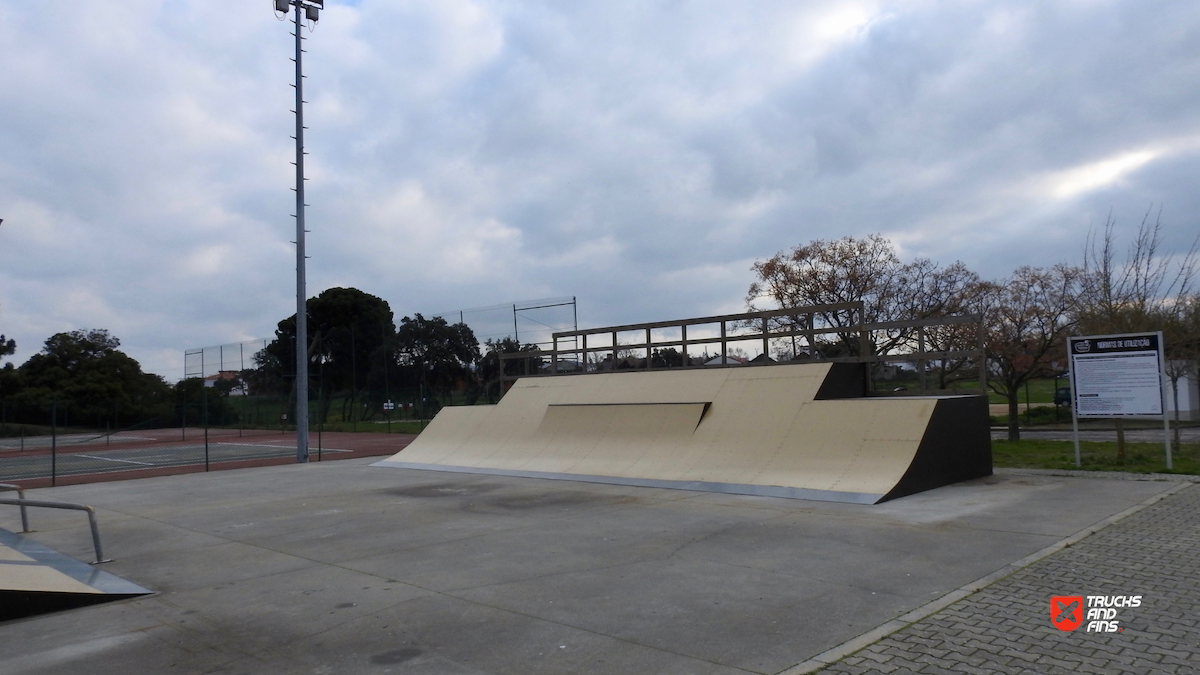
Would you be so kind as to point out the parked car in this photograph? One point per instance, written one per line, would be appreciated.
(1062, 396)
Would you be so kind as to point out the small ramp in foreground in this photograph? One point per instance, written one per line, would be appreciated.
(801, 430)
(35, 579)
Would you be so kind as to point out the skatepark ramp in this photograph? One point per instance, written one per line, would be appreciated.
(35, 579)
(804, 431)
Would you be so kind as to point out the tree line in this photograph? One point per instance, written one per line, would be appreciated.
(360, 358)
(1025, 317)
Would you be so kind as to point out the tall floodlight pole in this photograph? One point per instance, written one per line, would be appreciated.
(305, 9)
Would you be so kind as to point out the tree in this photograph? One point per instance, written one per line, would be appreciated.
(1148, 292)
(1139, 294)
(860, 270)
(1181, 333)
(85, 375)
(10, 381)
(1027, 318)
(435, 353)
(489, 364)
(202, 405)
(349, 333)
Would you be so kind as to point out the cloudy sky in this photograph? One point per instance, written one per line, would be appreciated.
(637, 154)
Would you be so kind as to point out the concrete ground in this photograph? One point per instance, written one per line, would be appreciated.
(341, 567)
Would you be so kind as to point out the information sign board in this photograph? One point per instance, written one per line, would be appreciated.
(1116, 375)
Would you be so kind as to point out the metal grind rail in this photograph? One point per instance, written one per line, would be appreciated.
(91, 514)
(21, 496)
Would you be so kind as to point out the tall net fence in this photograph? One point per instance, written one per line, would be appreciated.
(235, 357)
(527, 321)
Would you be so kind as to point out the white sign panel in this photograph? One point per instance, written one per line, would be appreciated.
(1116, 375)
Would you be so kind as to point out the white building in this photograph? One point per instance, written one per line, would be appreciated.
(1188, 394)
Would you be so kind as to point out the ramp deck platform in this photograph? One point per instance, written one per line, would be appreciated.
(802, 431)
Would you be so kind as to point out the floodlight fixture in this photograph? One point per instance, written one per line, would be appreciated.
(310, 10)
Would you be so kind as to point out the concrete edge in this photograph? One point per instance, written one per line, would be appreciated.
(1109, 475)
(839, 652)
(695, 486)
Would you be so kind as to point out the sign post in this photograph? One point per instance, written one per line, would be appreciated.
(1117, 376)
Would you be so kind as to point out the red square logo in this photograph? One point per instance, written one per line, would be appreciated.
(1066, 611)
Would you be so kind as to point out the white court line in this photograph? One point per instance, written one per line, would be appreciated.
(110, 459)
(279, 447)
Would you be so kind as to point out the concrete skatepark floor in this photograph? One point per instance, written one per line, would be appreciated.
(344, 568)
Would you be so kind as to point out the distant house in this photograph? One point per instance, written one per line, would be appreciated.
(238, 388)
(1188, 391)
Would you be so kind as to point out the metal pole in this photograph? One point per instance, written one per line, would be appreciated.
(516, 334)
(242, 384)
(204, 403)
(54, 441)
(322, 408)
(1162, 395)
(1074, 404)
(387, 389)
(301, 304)
(21, 497)
(353, 381)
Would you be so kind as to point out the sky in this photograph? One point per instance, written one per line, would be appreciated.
(639, 155)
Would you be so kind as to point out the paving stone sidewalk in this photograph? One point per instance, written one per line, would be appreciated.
(1006, 627)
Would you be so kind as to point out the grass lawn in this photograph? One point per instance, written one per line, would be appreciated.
(1040, 391)
(1096, 456)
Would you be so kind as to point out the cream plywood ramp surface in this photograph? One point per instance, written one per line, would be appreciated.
(35, 579)
(803, 431)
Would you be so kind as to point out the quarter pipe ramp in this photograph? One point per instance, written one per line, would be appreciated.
(799, 430)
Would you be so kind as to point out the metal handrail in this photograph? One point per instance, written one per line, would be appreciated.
(70, 507)
(534, 363)
(20, 495)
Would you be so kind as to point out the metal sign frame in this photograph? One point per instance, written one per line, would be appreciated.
(1101, 349)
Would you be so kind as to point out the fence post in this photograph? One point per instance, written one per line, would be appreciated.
(54, 441)
(204, 411)
(183, 415)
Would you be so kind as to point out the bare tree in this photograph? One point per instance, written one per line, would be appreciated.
(1130, 297)
(1027, 317)
(863, 270)
(1181, 333)
(1149, 291)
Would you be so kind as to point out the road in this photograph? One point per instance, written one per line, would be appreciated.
(1186, 435)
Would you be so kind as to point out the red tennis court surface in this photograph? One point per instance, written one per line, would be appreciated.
(160, 452)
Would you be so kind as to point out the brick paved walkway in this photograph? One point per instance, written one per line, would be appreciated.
(1006, 628)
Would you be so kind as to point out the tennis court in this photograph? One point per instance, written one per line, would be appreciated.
(42, 460)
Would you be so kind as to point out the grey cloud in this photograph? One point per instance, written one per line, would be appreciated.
(638, 155)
